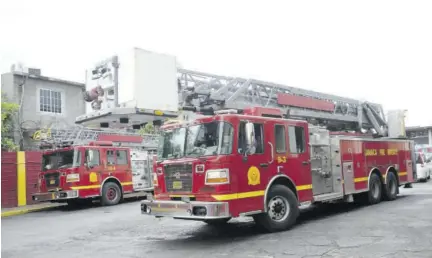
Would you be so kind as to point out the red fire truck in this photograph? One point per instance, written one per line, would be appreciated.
(96, 170)
(257, 162)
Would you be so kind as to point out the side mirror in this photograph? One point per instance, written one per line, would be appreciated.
(250, 138)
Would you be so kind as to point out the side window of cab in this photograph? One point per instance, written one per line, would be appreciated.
(92, 157)
(259, 138)
(297, 139)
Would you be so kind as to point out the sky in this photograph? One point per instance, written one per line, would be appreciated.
(379, 51)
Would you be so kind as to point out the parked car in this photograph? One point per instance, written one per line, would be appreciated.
(424, 167)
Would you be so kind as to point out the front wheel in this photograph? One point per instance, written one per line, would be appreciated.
(282, 210)
(111, 194)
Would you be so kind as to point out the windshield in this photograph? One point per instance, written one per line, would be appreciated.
(61, 159)
(206, 139)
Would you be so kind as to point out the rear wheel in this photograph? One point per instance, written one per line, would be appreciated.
(391, 187)
(375, 189)
(282, 210)
(111, 194)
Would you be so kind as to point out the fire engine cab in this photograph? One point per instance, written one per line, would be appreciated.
(97, 170)
(292, 148)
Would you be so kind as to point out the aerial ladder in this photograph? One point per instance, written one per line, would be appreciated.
(206, 93)
(79, 135)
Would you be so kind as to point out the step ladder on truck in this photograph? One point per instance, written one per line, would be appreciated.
(86, 164)
(265, 150)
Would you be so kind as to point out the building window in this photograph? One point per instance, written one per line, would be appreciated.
(50, 101)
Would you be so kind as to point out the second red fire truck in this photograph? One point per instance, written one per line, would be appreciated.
(98, 169)
(256, 162)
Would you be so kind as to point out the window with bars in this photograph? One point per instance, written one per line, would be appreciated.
(50, 101)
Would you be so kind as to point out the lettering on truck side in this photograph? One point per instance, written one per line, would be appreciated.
(382, 152)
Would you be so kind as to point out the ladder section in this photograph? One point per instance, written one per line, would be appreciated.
(222, 92)
(77, 135)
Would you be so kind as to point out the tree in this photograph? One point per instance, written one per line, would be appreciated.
(8, 110)
(147, 129)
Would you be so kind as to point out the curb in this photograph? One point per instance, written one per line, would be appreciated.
(11, 213)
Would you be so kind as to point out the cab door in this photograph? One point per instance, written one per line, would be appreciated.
(251, 171)
(280, 150)
(93, 165)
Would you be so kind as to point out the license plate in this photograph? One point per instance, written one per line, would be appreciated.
(52, 181)
(177, 185)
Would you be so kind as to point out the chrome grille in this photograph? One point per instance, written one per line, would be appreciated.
(178, 177)
(52, 179)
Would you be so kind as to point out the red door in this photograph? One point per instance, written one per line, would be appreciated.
(252, 171)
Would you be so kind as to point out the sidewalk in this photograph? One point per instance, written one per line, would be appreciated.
(7, 212)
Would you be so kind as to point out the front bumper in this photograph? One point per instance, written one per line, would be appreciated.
(186, 210)
(54, 196)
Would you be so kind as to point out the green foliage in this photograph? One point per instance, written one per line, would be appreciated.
(147, 129)
(8, 109)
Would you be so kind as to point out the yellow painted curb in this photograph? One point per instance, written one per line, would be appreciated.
(24, 211)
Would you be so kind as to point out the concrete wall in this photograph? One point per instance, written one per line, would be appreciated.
(19, 174)
(26, 89)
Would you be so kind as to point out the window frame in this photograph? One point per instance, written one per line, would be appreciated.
(284, 138)
(86, 155)
(262, 136)
(51, 105)
(126, 157)
(303, 138)
(114, 156)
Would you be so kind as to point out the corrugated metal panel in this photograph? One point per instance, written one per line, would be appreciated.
(33, 167)
(8, 179)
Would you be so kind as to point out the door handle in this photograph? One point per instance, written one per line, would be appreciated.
(264, 165)
(305, 163)
(279, 169)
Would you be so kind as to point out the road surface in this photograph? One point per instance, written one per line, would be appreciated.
(402, 228)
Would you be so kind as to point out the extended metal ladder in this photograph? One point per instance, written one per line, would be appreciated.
(77, 135)
(221, 92)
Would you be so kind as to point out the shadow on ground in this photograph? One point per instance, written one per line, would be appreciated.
(90, 205)
(241, 231)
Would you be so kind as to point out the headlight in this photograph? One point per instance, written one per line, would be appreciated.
(217, 176)
(72, 178)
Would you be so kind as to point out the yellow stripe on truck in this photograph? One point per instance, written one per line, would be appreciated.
(361, 179)
(21, 179)
(86, 187)
(235, 196)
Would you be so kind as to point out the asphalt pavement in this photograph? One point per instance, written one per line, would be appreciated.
(401, 228)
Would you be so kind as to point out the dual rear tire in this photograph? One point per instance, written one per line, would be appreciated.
(378, 191)
(283, 210)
